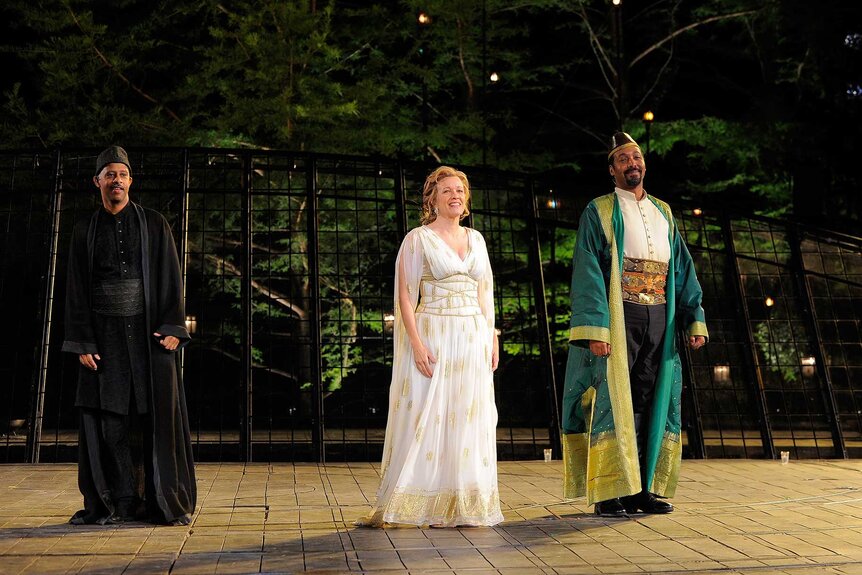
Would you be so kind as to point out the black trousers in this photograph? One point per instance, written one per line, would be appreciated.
(645, 325)
(114, 465)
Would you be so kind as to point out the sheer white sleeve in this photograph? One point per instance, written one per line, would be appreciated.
(486, 281)
(408, 271)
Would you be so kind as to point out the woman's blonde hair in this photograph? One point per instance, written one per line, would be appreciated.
(429, 192)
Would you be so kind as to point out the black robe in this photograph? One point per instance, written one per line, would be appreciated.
(172, 481)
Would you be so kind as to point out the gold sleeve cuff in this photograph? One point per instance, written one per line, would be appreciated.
(698, 328)
(591, 332)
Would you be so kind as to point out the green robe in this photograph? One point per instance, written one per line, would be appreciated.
(599, 447)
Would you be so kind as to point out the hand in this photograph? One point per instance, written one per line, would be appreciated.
(170, 343)
(495, 353)
(89, 360)
(424, 360)
(600, 348)
(696, 341)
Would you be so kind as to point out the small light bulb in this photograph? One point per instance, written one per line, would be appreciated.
(494, 76)
(697, 211)
(424, 18)
(769, 301)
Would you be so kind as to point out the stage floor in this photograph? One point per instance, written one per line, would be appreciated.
(732, 517)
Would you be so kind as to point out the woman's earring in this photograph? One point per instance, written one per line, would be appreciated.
(434, 210)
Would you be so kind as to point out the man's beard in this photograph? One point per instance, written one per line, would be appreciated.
(633, 178)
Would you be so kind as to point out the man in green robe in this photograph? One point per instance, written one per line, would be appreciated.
(633, 285)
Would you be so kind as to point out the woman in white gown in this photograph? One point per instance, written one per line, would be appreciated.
(440, 454)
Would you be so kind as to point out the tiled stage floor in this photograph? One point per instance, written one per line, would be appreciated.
(733, 517)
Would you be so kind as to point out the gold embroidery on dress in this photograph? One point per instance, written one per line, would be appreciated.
(409, 405)
(419, 433)
(437, 419)
(466, 452)
(448, 370)
(436, 507)
(405, 389)
(429, 456)
(485, 461)
(451, 420)
(387, 460)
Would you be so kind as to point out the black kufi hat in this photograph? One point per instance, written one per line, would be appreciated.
(621, 141)
(112, 155)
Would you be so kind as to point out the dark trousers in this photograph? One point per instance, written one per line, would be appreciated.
(114, 465)
(645, 325)
(120, 470)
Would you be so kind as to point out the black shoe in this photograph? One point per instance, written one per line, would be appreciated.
(610, 508)
(646, 502)
(86, 517)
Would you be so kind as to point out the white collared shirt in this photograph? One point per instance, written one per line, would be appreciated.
(646, 235)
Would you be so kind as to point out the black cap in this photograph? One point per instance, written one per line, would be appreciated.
(620, 141)
(112, 155)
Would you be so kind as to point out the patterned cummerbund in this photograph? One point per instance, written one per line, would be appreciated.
(119, 297)
(644, 281)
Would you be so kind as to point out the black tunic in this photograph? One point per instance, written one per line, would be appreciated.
(121, 338)
(172, 468)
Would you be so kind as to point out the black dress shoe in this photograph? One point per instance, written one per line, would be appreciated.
(85, 517)
(610, 508)
(646, 502)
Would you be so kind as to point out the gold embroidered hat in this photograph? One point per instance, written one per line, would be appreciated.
(112, 155)
(621, 141)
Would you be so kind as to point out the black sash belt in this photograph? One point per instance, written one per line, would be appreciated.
(119, 297)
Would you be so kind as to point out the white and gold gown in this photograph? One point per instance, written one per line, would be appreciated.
(440, 453)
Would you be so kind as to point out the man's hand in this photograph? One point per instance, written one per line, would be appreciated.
(696, 341)
(89, 360)
(600, 348)
(170, 343)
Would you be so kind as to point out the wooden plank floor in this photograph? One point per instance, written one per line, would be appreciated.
(732, 517)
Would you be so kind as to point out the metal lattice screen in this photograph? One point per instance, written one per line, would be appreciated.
(289, 260)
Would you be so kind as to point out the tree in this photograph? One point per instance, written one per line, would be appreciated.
(779, 78)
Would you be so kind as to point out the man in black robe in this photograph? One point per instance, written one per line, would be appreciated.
(125, 320)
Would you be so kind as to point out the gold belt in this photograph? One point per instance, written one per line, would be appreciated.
(644, 281)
